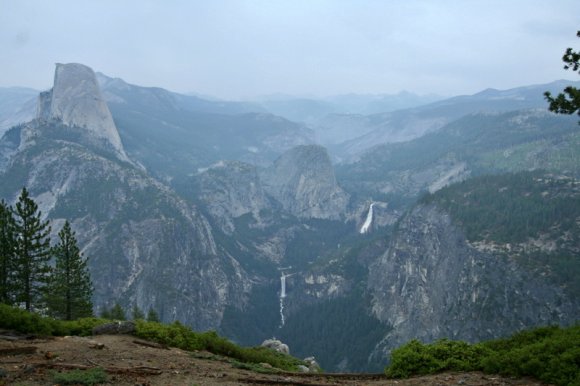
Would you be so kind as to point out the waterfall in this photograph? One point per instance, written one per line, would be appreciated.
(282, 296)
(283, 285)
(367, 224)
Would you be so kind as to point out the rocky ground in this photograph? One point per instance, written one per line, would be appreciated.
(130, 361)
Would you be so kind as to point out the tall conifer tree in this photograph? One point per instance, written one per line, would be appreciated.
(70, 284)
(32, 253)
(7, 250)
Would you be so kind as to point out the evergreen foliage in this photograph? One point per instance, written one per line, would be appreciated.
(32, 253)
(519, 207)
(335, 330)
(26, 276)
(175, 335)
(20, 320)
(117, 312)
(7, 249)
(152, 316)
(105, 313)
(550, 354)
(81, 377)
(567, 102)
(180, 336)
(136, 313)
(70, 284)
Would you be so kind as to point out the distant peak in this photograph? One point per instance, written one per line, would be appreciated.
(76, 100)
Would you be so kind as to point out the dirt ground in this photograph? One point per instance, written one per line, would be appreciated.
(130, 361)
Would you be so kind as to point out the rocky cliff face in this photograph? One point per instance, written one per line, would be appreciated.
(76, 101)
(431, 284)
(303, 181)
(230, 189)
(146, 246)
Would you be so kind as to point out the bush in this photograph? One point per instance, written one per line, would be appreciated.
(25, 322)
(416, 358)
(550, 354)
(177, 335)
(30, 323)
(80, 377)
(174, 335)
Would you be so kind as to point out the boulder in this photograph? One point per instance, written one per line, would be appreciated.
(115, 328)
(313, 366)
(276, 345)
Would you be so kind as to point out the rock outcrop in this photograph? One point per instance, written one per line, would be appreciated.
(230, 189)
(146, 246)
(276, 345)
(303, 181)
(431, 284)
(76, 101)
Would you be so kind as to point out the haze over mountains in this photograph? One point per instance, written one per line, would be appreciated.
(197, 208)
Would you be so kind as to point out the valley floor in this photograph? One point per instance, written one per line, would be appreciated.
(129, 361)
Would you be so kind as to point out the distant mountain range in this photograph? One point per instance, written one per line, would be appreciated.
(201, 209)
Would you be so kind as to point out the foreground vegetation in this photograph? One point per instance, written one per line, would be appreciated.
(549, 354)
(174, 335)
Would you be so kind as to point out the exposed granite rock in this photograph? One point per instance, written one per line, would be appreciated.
(76, 101)
(303, 181)
(432, 284)
(276, 345)
(230, 189)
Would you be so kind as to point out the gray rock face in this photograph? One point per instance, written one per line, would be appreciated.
(276, 345)
(76, 101)
(146, 246)
(432, 284)
(231, 189)
(303, 181)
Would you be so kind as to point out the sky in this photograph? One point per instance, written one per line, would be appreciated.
(240, 49)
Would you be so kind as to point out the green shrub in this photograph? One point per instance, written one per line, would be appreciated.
(174, 335)
(180, 336)
(416, 358)
(30, 323)
(25, 322)
(81, 327)
(80, 377)
(550, 354)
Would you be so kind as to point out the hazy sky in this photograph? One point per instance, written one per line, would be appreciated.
(238, 48)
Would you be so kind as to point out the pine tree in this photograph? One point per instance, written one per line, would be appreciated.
(7, 249)
(137, 313)
(152, 316)
(105, 313)
(32, 253)
(70, 283)
(117, 312)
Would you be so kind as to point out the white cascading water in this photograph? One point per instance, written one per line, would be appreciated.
(282, 296)
(369, 220)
